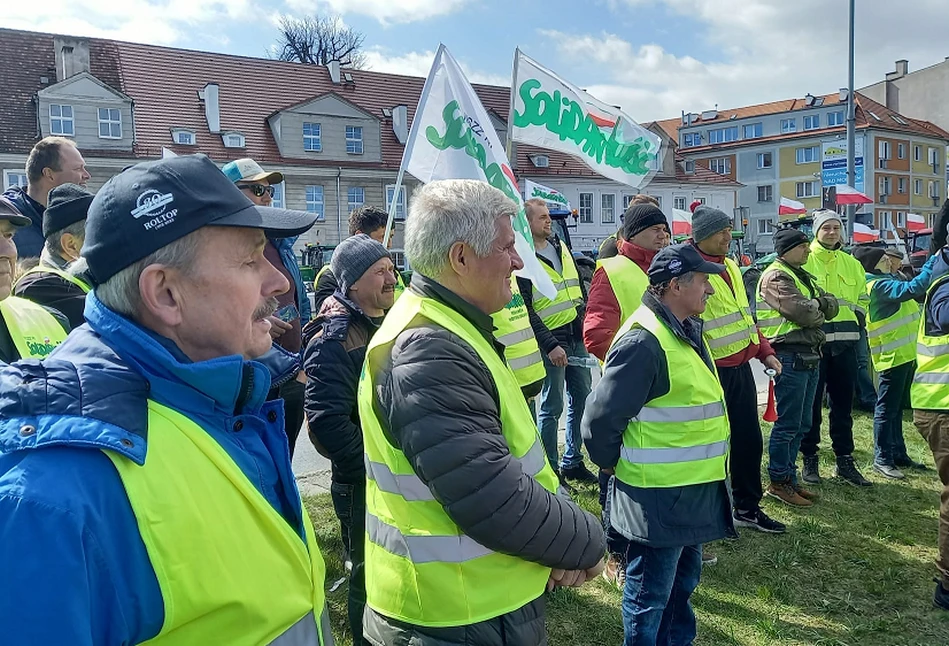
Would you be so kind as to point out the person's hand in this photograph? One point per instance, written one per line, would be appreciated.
(595, 571)
(558, 357)
(826, 302)
(609, 472)
(566, 579)
(774, 363)
(277, 327)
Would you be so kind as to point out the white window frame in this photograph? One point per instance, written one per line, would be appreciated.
(764, 226)
(800, 189)
(801, 154)
(769, 193)
(627, 200)
(314, 139)
(399, 205)
(278, 201)
(836, 118)
(884, 150)
(933, 156)
(788, 126)
(757, 130)
(901, 185)
(690, 166)
(917, 153)
(355, 197)
(933, 189)
(917, 187)
(900, 150)
(900, 219)
(607, 213)
(354, 140)
(679, 202)
(233, 140)
(723, 132)
(886, 185)
(176, 132)
(760, 158)
(585, 213)
(720, 165)
(314, 205)
(63, 120)
(691, 139)
(812, 119)
(109, 122)
(13, 177)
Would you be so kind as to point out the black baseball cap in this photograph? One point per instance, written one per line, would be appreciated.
(678, 259)
(152, 204)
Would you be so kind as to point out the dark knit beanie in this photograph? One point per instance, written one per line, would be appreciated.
(787, 239)
(68, 204)
(639, 217)
(707, 221)
(353, 257)
(868, 256)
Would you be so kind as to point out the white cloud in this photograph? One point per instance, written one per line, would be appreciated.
(420, 64)
(385, 11)
(767, 50)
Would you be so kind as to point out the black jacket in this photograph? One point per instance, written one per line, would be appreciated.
(636, 372)
(440, 406)
(54, 292)
(548, 339)
(324, 287)
(336, 343)
(28, 240)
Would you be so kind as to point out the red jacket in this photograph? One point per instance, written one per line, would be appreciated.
(603, 320)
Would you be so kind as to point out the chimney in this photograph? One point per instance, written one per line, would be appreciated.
(212, 107)
(902, 67)
(400, 123)
(72, 56)
(333, 67)
(844, 93)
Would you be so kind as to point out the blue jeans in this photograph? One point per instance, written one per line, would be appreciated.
(794, 392)
(866, 394)
(577, 380)
(888, 443)
(659, 582)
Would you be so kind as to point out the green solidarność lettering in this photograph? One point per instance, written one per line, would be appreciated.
(550, 197)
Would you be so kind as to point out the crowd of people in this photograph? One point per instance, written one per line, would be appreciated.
(160, 356)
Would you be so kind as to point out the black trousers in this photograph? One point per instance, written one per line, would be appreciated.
(838, 374)
(349, 502)
(741, 400)
(292, 394)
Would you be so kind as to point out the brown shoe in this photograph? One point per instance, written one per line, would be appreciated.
(785, 492)
(804, 493)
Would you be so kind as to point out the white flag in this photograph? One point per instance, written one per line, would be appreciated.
(554, 198)
(549, 112)
(452, 138)
(167, 154)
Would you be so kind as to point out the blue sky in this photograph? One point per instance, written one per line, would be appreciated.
(653, 57)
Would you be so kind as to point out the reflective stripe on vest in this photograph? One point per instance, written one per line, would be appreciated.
(564, 308)
(265, 588)
(680, 438)
(892, 339)
(928, 391)
(421, 568)
(771, 323)
(65, 275)
(34, 331)
(729, 327)
(515, 334)
(628, 283)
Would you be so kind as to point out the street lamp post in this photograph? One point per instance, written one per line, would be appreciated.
(851, 126)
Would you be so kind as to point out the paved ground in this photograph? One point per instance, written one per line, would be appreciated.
(313, 470)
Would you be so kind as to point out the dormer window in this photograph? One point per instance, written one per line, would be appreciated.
(110, 123)
(183, 137)
(540, 161)
(233, 140)
(61, 120)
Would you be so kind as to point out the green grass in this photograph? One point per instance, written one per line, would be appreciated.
(856, 569)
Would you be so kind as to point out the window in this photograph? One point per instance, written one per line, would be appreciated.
(607, 208)
(13, 178)
(884, 153)
(901, 185)
(700, 200)
(901, 151)
(766, 193)
(886, 185)
(312, 137)
(355, 197)
(585, 209)
(540, 161)
(753, 131)
(835, 118)
(807, 155)
(811, 122)
(807, 189)
(314, 201)
(720, 165)
(898, 119)
(690, 166)
(765, 226)
(917, 187)
(627, 200)
(183, 137)
(723, 135)
(765, 160)
(233, 140)
(900, 219)
(934, 189)
(678, 202)
(933, 158)
(398, 259)
(400, 204)
(874, 115)
(354, 140)
(278, 196)
(61, 120)
(110, 123)
(788, 125)
(691, 139)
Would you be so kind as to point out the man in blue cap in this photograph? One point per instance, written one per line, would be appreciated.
(141, 459)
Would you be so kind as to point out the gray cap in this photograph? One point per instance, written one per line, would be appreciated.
(824, 215)
(353, 257)
(707, 221)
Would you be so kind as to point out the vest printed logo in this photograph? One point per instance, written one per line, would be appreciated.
(154, 204)
(40, 347)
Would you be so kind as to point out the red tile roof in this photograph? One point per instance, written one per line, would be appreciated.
(163, 83)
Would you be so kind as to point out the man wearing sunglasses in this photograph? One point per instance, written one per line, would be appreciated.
(294, 306)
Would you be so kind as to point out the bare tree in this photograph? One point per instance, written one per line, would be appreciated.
(318, 41)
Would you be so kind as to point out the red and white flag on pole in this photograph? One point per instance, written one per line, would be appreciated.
(915, 222)
(681, 223)
(849, 195)
(863, 233)
(791, 207)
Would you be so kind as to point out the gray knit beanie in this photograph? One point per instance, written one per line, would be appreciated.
(707, 221)
(353, 257)
(823, 215)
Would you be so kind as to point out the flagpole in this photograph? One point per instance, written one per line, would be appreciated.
(509, 144)
(392, 204)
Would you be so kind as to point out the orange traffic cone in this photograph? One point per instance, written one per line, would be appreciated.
(771, 412)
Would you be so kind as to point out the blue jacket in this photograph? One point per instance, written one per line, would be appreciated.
(71, 546)
(289, 258)
(28, 240)
(890, 290)
(937, 308)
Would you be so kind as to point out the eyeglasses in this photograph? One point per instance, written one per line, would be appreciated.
(258, 190)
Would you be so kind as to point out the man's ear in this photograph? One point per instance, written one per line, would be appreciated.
(459, 257)
(159, 289)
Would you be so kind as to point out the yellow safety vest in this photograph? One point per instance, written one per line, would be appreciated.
(729, 327)
(840, 274)
(771, 323)
(35, 332)
(65, 275)
(399, 285)
(628, 282)
(930, 389)
(231, 570)
(892, 338)
(421, 568)
(564, 308)
(680, 438)
(520, 345)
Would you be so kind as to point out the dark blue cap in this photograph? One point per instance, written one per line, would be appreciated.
(679, 259)
(152, 204)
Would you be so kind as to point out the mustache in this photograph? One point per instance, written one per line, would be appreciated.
(265, 309)
(388, 288)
